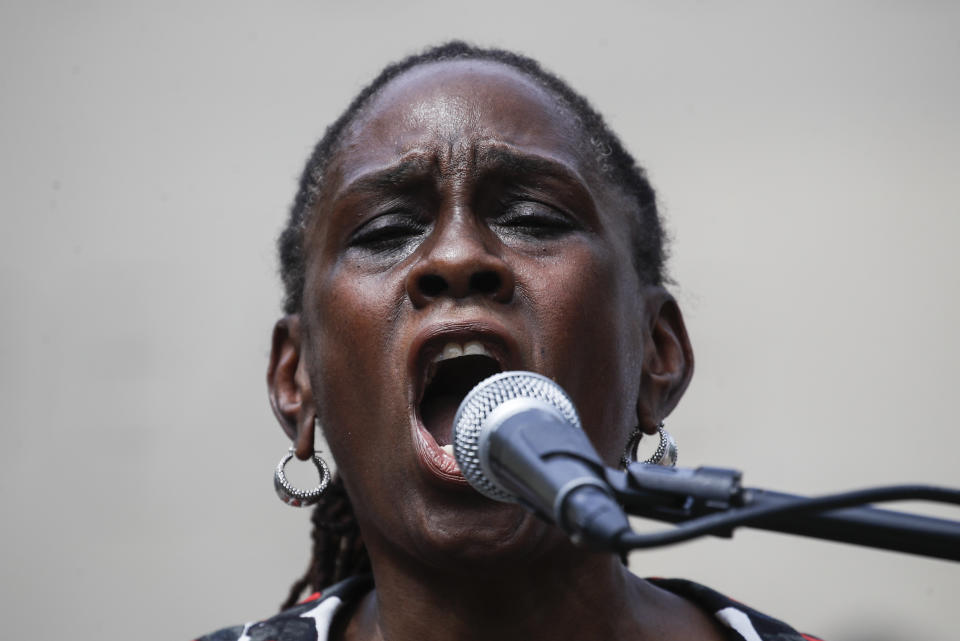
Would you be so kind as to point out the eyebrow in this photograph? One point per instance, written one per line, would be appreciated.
(504, 158)
(413, 167)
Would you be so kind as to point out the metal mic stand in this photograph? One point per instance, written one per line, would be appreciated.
(709, 500)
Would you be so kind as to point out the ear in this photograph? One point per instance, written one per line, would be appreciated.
(291, 396)
(667, 361)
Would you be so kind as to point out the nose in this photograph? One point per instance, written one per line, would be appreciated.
(459, 263)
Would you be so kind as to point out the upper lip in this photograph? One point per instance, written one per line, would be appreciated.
(429, 342)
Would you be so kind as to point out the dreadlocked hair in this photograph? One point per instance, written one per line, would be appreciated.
(338, 550)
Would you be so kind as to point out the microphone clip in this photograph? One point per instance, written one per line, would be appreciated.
(675, 494)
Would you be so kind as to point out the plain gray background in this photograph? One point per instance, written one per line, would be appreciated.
(806, 157)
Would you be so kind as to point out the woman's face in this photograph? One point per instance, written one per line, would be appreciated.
(463, 229)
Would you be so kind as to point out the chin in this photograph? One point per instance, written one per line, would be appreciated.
(482, 537)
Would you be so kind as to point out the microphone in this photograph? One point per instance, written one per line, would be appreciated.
(517, 439)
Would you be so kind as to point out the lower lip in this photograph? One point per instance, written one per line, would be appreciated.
(434, 460)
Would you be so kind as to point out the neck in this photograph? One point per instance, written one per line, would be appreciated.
(570, 595)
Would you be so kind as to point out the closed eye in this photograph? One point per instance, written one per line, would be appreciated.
(534, 219)
(390, 232)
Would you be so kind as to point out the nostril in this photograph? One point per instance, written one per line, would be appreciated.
(431, 284)
(486, 282)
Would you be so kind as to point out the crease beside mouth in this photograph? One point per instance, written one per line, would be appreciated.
(451, 382)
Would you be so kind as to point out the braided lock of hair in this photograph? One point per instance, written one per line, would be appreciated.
(338, 550)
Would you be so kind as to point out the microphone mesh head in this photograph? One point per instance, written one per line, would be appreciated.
(477, 406)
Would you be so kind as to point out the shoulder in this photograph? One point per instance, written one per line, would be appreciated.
(309, 620)
(743, 622)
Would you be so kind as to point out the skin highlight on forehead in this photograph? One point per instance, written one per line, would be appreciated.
(452, 110)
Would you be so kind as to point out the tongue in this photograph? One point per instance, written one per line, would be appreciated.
(453, 379)
(438, 413)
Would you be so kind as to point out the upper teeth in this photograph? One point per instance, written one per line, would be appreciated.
(455, 350)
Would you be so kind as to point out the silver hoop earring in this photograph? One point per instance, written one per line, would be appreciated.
(666, 453)
(295, 496)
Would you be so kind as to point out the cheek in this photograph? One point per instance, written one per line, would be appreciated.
(351, 336)
(591, 341)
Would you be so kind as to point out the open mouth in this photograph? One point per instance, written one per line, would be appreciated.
(453, 373)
